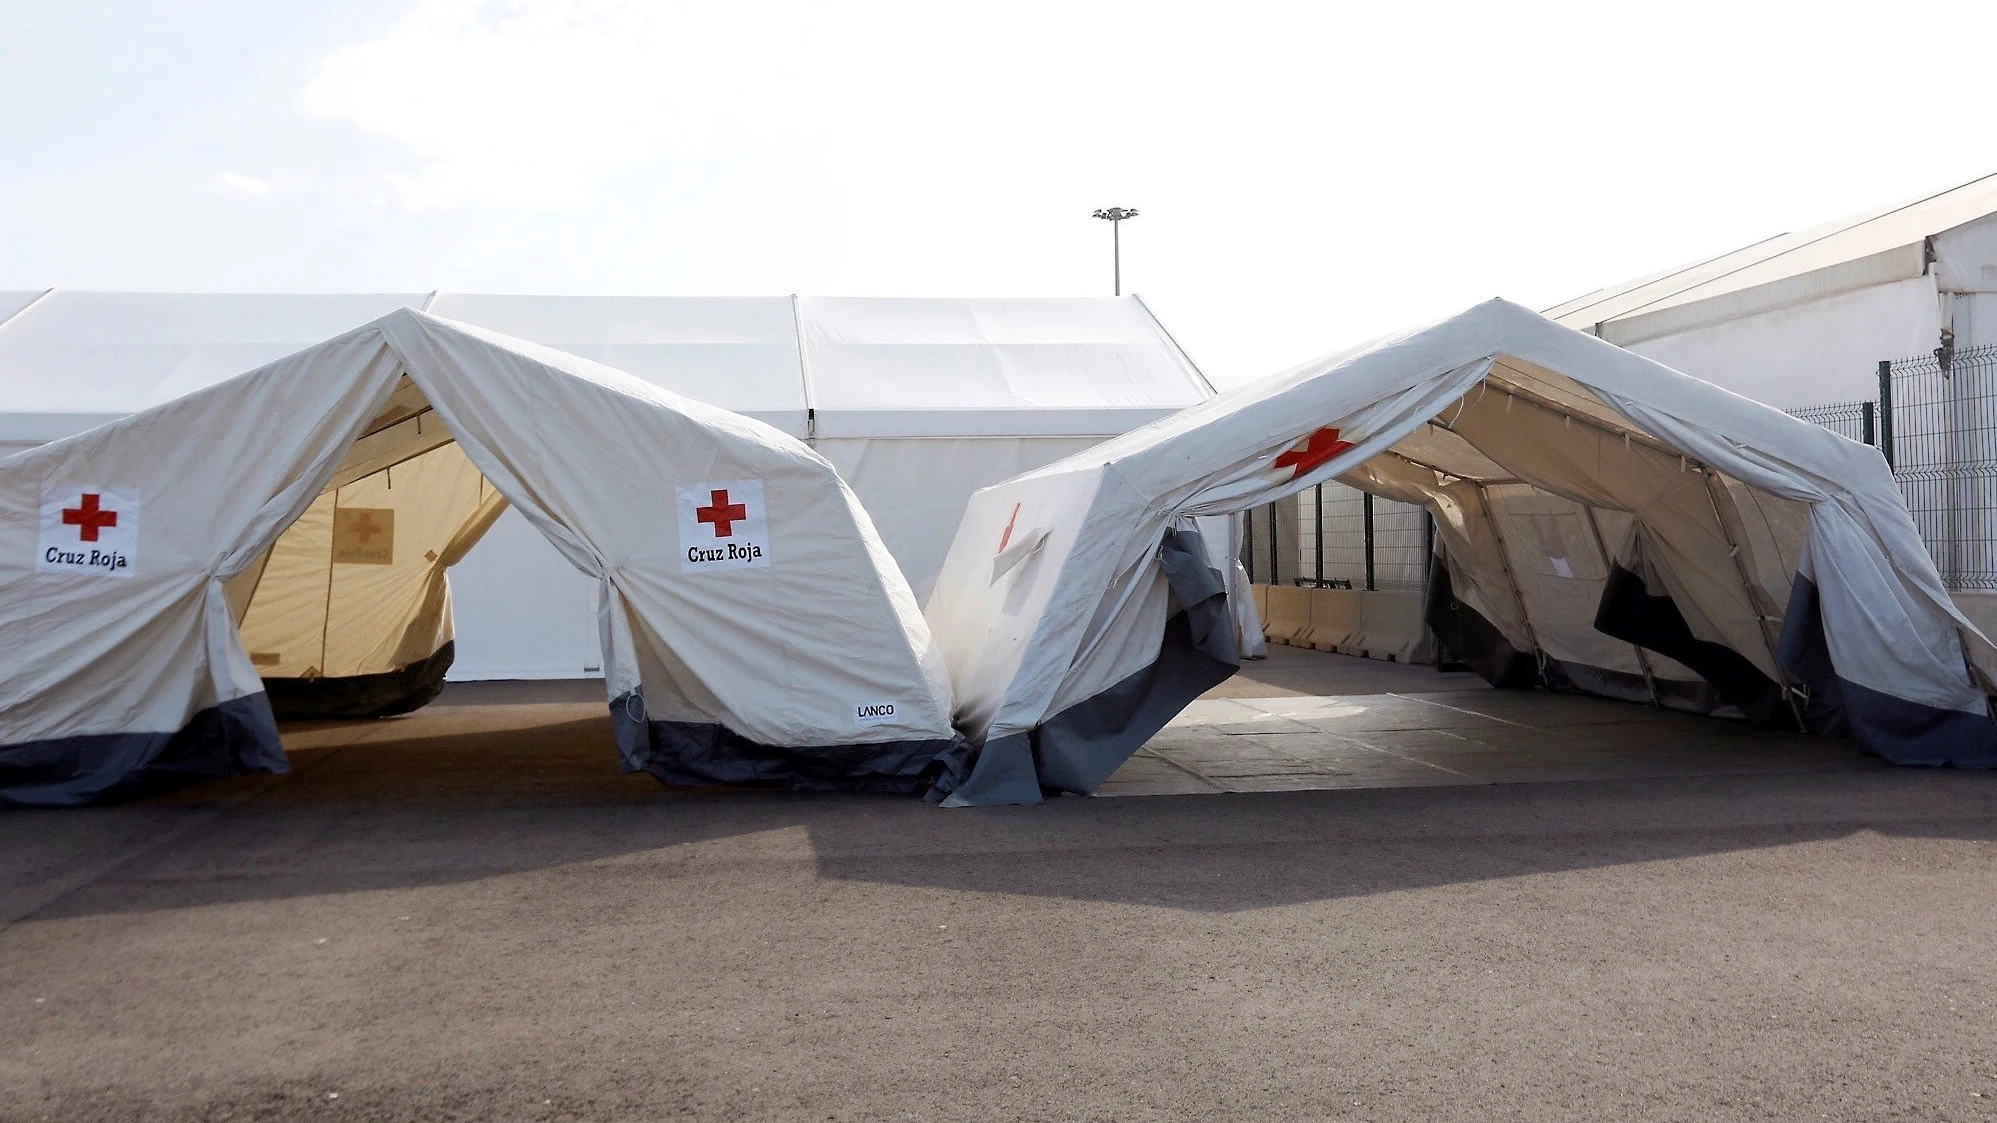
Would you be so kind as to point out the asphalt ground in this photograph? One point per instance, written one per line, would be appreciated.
(468, 914)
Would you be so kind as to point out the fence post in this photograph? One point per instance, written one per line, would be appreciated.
(1366, 500)
(1866, 410)
(1886, 409)
(1275, 544)
(1317, 538)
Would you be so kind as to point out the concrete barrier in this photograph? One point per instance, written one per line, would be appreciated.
(1380, 625)
(1981, 608)
(1334, 619)
(1288, 615)
(1390, 627)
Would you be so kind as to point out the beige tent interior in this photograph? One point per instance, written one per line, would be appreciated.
(349, 614)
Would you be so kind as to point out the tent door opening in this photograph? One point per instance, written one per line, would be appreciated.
(348, 613)
(1614, 564)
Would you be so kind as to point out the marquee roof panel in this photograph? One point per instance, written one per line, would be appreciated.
(1040, 367)
(73, 360)
(832, 367)
(1874, 233)
(739, 353)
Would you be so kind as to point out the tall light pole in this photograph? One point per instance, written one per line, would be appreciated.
(1116, 215)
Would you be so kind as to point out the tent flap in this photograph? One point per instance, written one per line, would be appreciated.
(1078, 748)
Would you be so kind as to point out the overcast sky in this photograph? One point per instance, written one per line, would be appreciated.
(1309, 175)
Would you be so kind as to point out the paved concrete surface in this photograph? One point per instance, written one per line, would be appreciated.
(467, 914)
(1291, 671)
(1307, 720)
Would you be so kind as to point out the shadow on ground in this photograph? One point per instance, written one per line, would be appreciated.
(394, 805)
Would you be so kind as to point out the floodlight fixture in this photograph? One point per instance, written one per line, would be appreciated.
(1115, 217)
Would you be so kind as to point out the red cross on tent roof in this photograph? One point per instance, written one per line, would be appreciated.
(723, 514)
(1314, 451)
(87, 518)
(363, 528)
(1007, 536)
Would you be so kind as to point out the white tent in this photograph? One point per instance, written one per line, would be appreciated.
(1804, 318)
(752, 624)
(917, 402)
(1607, 524)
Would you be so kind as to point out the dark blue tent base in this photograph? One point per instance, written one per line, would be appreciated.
(699, 754)
(231, 739)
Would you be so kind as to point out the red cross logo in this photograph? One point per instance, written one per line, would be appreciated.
(1315, 450)
(1007, 536)
(87, 519)
(363, 528)
(723, 514)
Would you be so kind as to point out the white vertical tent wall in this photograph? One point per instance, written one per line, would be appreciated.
(918, 402)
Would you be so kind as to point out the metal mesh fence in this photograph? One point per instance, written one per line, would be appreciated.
(1338, 537)
(1856, 420)
(1939, 424)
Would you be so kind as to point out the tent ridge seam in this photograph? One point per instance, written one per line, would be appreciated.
(23, 309)
(1176, 345)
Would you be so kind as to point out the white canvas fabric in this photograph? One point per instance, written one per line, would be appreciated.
(1550, 461)
(918, 401)
(1017, 368)
(803, 659)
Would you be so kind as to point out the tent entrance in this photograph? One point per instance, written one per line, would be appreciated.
(348, 614)
(1576, 552)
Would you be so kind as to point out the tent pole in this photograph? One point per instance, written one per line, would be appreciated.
(1275, 543)
(1518, 597)
(1317, 536)
(1747, 588)
(1642, 659)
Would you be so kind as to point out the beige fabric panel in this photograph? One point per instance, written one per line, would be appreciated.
(1617, 527)
(1549, 554)
(1679, 506)
(1437, 447)
(1560, 574)
(357, 585)
(1562, 568)
(1478, 576)
(1559, 391)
